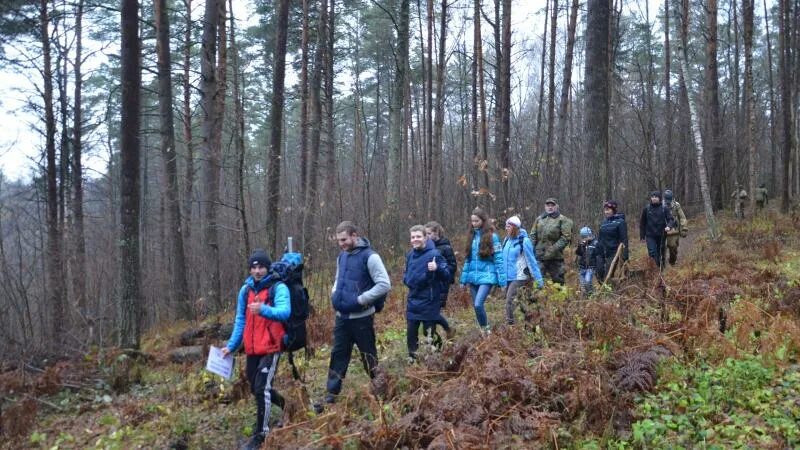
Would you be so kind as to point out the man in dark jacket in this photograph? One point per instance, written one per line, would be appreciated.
(426, 273)
(361, 280)
(613, 232)
(655, 223)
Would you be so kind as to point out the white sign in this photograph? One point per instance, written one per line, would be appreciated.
(218, 364)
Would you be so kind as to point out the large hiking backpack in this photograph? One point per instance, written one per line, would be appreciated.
(290, 271)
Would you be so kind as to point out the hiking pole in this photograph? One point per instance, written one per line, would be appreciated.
(614, 262)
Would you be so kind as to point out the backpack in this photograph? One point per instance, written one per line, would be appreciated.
(290, 271)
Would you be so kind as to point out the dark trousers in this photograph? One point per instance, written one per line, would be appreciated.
(412, 334)
(655, 247)
(347, 332)
(553, 268)
(260, 371)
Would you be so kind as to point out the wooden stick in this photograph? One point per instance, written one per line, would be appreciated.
(613, 265)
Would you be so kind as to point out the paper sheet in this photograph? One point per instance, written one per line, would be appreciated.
(222, 366)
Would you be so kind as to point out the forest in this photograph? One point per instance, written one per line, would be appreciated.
(166, 140)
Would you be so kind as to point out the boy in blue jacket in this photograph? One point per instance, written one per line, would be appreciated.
(263, 303)
(426, 273)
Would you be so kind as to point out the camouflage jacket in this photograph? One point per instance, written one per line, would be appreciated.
(550, 235)
(680, 219)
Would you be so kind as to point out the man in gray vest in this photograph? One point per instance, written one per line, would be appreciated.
(361, 286)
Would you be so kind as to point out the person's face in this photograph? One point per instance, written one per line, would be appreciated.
(608, 212)
(433, 235)
(655, 200)
(257, 271)
(475, 221)
(346, 240)
(510, 228)
(417, 239)
(550, 207)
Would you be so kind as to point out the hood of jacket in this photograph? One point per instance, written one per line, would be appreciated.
(617, 216)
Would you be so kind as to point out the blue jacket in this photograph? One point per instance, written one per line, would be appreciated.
(484, 271)
(613, 231)
(513, 248)
(424, 286)
(280, 310)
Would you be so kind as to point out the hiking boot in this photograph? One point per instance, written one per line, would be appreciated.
(254, 443)
(486, 331)
(328, 400)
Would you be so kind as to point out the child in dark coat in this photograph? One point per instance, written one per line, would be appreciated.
(426, 271)
(589, 257)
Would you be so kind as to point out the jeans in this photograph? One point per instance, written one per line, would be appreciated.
(347, 332)
(511, 295)
(412, 334)
(479, 293)
(586, 280)
(654, 248)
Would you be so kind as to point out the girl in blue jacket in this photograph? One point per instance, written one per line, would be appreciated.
(426, 273)
(483, 266)
(520, 263)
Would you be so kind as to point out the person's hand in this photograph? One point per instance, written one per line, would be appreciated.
(641, 240)
(432, 266)
(667, 229)
(255, 308)
(225, 352)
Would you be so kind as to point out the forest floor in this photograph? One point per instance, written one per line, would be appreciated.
(705, 354)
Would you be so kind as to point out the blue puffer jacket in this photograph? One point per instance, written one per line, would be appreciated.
(424, 286)
(514, 248)
(484, 271)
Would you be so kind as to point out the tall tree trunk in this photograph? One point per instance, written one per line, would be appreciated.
(695, 121)
(79, 241)
(712, 105)
(238, 101)
(540, 106)
(429, 150)
(435, 197)
(505, 97)
(397, 115)
(188, 188)
(331, 171)
(748, 7)
(55, 284)
(784, 36)
(668, 88)
(304, 118)
(130, 302)
(773, 175)
(211, 171)
(484, 166)
(315, 89)
(276, 125)
(476, 36)
(551, 96)
(597, 90)
(179, 284)
(566, 85)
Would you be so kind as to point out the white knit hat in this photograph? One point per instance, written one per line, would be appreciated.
(514, 220)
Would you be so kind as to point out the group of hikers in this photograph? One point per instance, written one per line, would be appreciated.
(739, 196)
(362, 283)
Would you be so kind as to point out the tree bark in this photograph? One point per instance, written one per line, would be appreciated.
(712, 104)
(695, 122)
(784, 36)
(211, 171)
(435, 189)
(540, 106)
(748, 7)
(397, 117)
(55, 285)
(79, 241)
(566, 85)
(773, 175)
(315, 89)
(188, 188)
(179, 285)
(551, 97)
(276, 126)
(505, 97)
(304, 112)
(130, 302)
(597, 89)
(238, 101)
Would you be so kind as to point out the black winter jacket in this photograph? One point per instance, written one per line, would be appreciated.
(613, 231)
(654, 219)
(444, 247)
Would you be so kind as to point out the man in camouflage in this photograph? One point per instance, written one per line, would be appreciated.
(674, 235)
(762, 196)
(739, 196)
(551, 234)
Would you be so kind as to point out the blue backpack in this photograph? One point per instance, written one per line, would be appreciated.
(290, 271)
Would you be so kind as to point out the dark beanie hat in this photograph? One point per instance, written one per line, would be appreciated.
(259, 256)
(655, 194)
(668, 195)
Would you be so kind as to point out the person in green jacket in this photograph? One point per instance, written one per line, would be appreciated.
(551, 234)
(762, 196)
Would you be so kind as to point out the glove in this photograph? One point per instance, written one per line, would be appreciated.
(684, 232)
